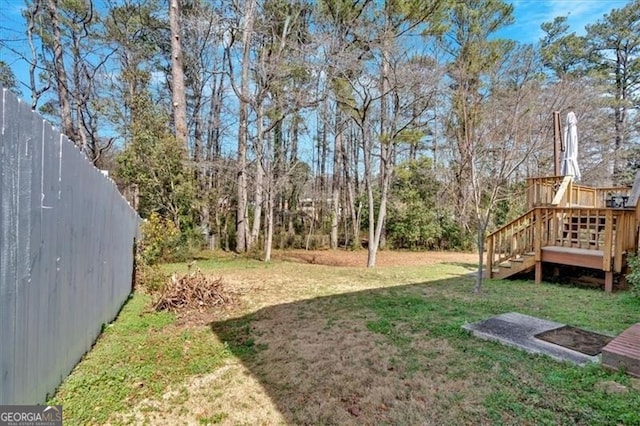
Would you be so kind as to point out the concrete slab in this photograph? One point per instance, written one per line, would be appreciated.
(518, 330)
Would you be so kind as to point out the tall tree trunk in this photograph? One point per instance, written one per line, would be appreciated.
(269, 156)
(212, 153)
(60, 73)
(242, 227)
(323, 154)
(259, 182)
(377, 237)
(212, 162)
(335, 183)
(480, 245)
(619, 115)
(351, 193)
(30, 15)
(178, 97)
(268, 243)
(294, 197)
(387, 170)
(386, 160)
(372, 244)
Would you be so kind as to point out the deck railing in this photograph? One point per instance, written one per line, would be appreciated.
(542, 190)
(605, 193)
(586, 196)
(611, 231)
(582, 196)
(575, 227)
(562, 191)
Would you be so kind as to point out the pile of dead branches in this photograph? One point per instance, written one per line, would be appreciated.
(193, 290)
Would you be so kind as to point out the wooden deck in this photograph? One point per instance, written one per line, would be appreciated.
(568, 224)
(624, 351)
(573, 256)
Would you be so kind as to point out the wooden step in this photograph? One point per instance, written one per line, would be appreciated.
(513, 266)
(624, 351)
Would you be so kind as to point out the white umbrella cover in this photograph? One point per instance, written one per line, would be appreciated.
(570, 157)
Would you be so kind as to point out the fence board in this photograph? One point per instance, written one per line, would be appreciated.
(66, 256)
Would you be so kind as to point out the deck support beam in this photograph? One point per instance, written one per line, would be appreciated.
(623, 279)
(538, 276)
(608, 281)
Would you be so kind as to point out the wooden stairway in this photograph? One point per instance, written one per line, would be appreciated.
(514, 265)
(511, 249)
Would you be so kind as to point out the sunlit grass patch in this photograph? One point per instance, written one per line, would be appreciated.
(136, 357)
(315, 344)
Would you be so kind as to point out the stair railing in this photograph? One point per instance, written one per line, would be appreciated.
(514, 239)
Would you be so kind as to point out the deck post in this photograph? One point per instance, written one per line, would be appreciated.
(538, 276)
(537, 245)
(537, 235)
(623, 279)
(491, 242)
(608, 281)
(608, 241)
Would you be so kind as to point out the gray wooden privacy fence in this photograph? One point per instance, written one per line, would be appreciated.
(66, 258)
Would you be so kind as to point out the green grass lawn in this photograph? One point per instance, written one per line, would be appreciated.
(327, 345)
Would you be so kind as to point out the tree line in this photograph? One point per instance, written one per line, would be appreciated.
(291, 123)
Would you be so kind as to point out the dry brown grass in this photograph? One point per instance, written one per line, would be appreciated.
(310, 343)
(317, 364)
(229, 395)
(311, 372)
(306, 274)
(338, 372)
(384, 258)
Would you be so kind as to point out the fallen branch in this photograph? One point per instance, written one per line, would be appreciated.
(192, 290)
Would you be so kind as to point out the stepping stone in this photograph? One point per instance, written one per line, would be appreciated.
(518, 330)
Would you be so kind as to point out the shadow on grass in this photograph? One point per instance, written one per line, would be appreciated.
(469, 265)
(398, 356)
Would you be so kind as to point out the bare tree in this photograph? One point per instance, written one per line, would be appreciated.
(71, 59)
(503, 139)
(473, 55)
(242, 222)
(178, 97)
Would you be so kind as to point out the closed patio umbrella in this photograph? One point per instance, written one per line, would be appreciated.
(569, 165)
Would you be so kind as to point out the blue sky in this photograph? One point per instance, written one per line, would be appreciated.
(529, 15)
